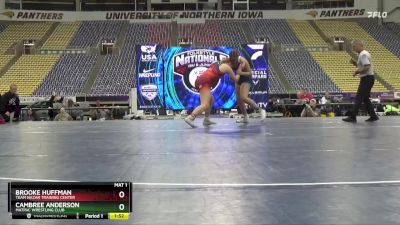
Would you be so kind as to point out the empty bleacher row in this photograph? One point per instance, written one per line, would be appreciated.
(232, 33)
(382, 34)
(61, 37)
(117, 75)
(3, 27)
(336, 64)
(394, 27)
(306, 33)
(278, 31)
(4, 60)
(386, 64)
(159, 33)
(206, 34)
(29, 70)
(28, 73)
(15, 33)
(302, 71)
(91, 33)
(68, 76)
(275, 85)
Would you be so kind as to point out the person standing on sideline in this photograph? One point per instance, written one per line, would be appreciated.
(10, 104)
(365, 71)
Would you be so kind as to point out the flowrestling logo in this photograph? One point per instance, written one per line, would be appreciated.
(257, 54)
(257, 73)
(193, 63)
(377, 14)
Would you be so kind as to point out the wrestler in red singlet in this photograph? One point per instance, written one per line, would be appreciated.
(209, 78)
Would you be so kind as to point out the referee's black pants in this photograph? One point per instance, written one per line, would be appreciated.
(363, 95)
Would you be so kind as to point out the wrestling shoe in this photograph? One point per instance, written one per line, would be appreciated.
(263, 114)
(190, 120)
(208, 122)
(243, 120)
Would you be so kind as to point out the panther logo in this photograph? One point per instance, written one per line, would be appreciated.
(9, 14)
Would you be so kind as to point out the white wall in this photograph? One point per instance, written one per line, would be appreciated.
(2, 4)
(367, 4)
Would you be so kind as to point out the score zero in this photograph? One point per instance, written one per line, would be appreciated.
(121, 194)
(377, 15)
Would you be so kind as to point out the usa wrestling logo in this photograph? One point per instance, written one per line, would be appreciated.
(148, 53)
(193, 63)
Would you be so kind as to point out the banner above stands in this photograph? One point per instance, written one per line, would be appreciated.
(68, 16)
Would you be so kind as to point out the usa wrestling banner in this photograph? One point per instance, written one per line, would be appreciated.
(149, 78)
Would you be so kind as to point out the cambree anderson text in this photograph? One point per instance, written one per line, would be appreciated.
(47, 205)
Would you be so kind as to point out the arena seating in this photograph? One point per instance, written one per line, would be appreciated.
(386, 64)
(91, 33)
(382, 34)
(395, 27)
(306, 33)
(159, 33)
(233, 34)
(68, 76)
(28, 73)
(277, 30)
(15, 33)
(4, 59)
(206, 34)
(61, 37)
(302, 71)
(116, 76)
(336, 65)
(2, 27)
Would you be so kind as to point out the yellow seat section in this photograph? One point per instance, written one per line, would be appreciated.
(28, 73)
(386, 64)
(306, 33)
(4, 59)
(336, 65)
(62, 36)
(17, 32)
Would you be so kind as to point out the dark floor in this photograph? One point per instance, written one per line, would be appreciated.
(280, 171)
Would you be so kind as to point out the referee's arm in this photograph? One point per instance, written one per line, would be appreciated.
(352, 61)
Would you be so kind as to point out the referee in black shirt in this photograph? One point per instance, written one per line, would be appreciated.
(365, 71)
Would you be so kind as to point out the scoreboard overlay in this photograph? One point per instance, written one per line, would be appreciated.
(70, 200)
